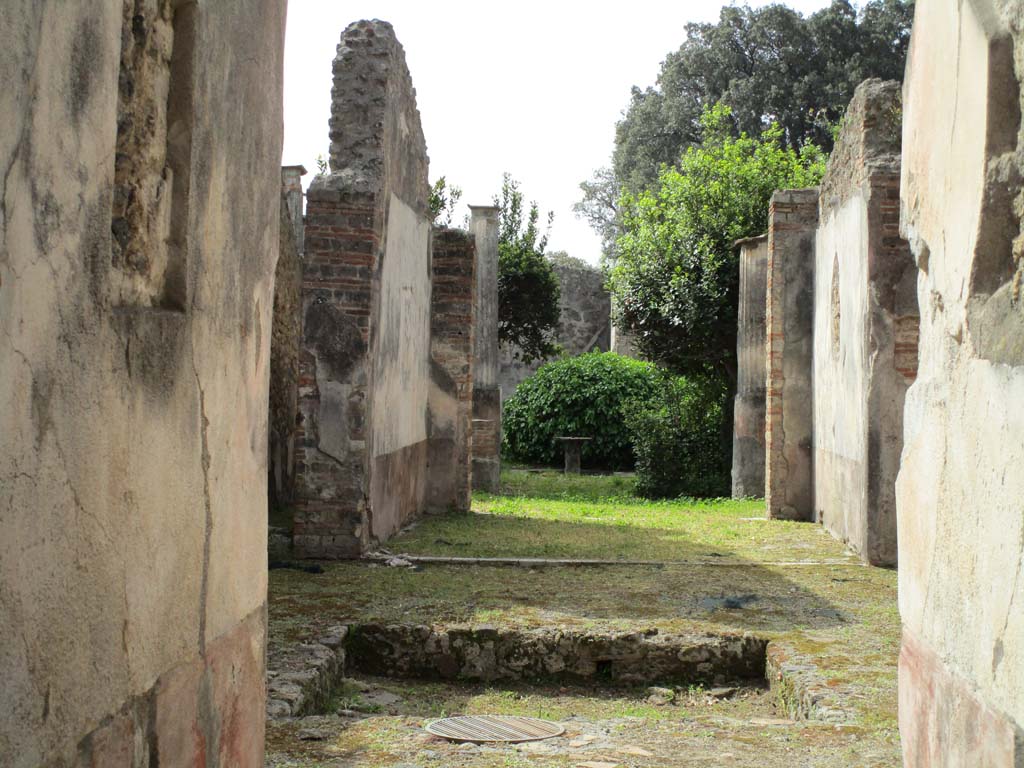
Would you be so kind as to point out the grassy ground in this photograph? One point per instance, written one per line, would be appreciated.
(547, 514)
(840, 612)
(613, 727)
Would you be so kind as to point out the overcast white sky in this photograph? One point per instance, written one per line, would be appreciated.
(529, 87)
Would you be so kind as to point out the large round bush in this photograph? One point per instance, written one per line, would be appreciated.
(582, 397)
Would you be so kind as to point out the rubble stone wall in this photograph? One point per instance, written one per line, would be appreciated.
(583, 326)
(960, 485)
(136, 276)
(864, 297)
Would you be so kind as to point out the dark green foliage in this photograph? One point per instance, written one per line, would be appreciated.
(675, 282)
(677, 437)
(528, 289)
(577, 397)
(769, 64)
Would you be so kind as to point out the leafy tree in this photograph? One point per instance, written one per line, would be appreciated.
(676, 436)
(770, 65)
(675, 283)
(528, 289)
(599, 207)
(443, 199)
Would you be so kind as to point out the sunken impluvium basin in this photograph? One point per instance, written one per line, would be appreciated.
(303, 676)
(486, 654)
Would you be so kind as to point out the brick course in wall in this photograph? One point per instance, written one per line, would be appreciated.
(453, 270)
(342, 239)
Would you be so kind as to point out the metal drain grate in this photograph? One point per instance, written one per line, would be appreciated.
(485, 728)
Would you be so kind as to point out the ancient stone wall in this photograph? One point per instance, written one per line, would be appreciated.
(486, 466)
(960, 487)
(624, 343)
(136, 271)
(789, 348)
(286, 337)
(291, 181)
(584, 309)
(748, 445)
(365, 367)
(865, 297)
(450, 429)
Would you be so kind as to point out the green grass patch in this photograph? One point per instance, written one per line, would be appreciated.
(551, 515)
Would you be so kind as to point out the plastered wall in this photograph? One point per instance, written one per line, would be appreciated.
(134, 352)
(960, 486)
(864, 303)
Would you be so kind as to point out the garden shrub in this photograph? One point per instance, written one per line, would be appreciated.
(579, 396)
(678, 440)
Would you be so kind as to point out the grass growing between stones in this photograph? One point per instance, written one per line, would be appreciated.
(839, 614)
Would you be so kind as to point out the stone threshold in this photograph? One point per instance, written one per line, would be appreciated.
(540, 562)
(302, 678)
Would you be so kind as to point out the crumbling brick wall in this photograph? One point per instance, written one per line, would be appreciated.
(452, 265)
(365, 364)
(961, 485)
(136, 268)
(865, 316)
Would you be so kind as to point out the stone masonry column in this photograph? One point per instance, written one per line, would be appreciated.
(486, 391)
(789, 476)
(291, 181)
(748, 446)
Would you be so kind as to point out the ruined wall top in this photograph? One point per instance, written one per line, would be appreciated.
(869, 141)
(373, 107)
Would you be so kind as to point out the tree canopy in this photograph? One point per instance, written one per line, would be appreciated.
(528, 289)
(675, 281)
(770, 65)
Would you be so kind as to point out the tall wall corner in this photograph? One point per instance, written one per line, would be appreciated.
(365, 365)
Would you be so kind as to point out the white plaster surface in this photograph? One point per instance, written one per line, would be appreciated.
(841, 371)
(961, 486)
(402, 374)
(132, 439)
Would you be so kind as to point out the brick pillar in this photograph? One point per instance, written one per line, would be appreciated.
(343, 231)
(789, 478)
(453, 270)
(486, 391)
(748, 446)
